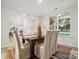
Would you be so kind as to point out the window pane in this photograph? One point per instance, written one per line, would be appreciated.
(60, 23)
(64, 25)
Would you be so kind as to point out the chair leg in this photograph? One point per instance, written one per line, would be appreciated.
(54, 54)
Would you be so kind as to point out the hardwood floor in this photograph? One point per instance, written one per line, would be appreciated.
(63, 49)
(10, 53)
(7, 54)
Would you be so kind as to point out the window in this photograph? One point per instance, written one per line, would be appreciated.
(60, 23)
(51, 23)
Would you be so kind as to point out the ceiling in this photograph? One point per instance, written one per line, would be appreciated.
(35, 8)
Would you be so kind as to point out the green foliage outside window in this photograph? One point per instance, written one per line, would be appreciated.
(51, 22)
(63, 25)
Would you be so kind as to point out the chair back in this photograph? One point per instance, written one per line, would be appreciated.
(18, 45)
(53, 42)
(47, 43)
(50, 44)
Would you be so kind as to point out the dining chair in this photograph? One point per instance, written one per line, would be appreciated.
(53, 45)
(20, 53)
(22, 38)
(45, 51)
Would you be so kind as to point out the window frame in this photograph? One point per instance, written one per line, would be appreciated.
(57, 25)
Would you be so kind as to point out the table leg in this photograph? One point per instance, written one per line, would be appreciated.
(32, 50)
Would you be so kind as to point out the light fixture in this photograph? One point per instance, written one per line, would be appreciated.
(24, 14)
(40, 1)
(59, 15)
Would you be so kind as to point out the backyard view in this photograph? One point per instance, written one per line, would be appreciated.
(62, 24)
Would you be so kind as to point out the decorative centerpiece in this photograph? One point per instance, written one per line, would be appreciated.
(39, 31)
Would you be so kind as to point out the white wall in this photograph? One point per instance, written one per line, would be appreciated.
(11, 17)
(73, 12)
(4, 30)
(45, 24)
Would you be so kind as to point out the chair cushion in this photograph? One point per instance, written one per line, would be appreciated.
(41, 52)
(38, 49)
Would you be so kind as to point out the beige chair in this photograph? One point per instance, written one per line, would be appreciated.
(20, 53)
(46, 50)
(54, 42)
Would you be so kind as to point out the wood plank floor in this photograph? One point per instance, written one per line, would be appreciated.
(10, 53)
(7, 54)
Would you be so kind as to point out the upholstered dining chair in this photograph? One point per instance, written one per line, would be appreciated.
(20, 53)
(53, 45)
(45, 51)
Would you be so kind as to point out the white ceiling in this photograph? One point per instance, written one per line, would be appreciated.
(34, 8)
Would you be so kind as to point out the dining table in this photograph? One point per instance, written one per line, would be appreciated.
(33, 40)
